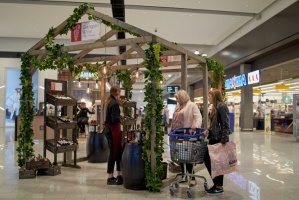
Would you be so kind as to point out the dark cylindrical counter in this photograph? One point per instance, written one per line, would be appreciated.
(133, 167)
(97, 149)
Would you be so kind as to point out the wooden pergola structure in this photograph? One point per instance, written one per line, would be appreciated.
(136, 44)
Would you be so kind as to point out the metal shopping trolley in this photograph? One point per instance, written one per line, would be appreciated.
(187, 147)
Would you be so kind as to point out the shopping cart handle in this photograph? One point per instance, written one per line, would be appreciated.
(186, 134)
(187, 130)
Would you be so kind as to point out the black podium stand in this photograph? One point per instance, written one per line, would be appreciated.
(133, 167)
(97, 148)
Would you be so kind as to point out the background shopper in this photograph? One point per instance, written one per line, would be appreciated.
(165, 113)
(219, 115)
(15, 107)
(186, 114)
(82, 117)
(112, 120)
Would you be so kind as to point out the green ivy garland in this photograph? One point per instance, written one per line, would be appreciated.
(55, 60)
(124, 76)
(25, 138)
(218, 76)
(153, 95)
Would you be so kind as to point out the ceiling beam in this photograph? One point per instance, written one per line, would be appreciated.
(190, 10)
(135, 7)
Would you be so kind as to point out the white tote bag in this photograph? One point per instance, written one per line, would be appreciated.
(223, 158)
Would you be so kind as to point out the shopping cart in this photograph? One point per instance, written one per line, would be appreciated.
(187, 147)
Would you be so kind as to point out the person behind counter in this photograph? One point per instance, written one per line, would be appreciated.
(186, 114)
(82, 117)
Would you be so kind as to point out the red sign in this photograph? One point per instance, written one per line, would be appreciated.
(76, 33)
(86, 31)
(164, 59)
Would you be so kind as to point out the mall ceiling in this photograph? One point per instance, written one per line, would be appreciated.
(230, 31)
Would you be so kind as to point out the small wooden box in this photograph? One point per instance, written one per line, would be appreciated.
(24, 174)
(174, 168)
(52, 171)
(40, 164)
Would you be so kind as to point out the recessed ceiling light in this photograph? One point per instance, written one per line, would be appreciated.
(233, 18)
(246, 5)
(169, 75)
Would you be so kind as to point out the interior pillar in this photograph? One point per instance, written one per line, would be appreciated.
(246, 101)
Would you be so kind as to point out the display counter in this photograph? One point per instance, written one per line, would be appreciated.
(37, 126)
(259, 123)
(284, 125)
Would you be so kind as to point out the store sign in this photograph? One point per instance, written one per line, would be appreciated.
(236, 81)
(86, 31)
(253, 77)
(173, 89)
(87, 75)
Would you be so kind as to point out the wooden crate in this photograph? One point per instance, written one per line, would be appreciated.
(40, 164)
(52, 171)
(174, 168)
(24, 174)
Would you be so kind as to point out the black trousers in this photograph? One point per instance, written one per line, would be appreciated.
(111, 159)
(82, 121)
(189, 168)
(218, 180)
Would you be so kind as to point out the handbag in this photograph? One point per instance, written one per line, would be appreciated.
(223, 158)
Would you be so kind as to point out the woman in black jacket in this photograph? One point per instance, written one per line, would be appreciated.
(218, 132)
(112, 120)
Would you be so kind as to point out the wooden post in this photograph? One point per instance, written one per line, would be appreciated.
(205, 95)
(102, 120)
(153, 128)
(184, 72)
(69, 132)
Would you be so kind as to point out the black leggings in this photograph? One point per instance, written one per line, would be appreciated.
(111, 160)
(189, 168)
(82, 121)
(218, 180)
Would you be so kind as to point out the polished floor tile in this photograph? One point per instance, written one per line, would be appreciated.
(268, 168)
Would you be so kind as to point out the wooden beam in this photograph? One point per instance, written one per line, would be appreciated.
(141, 66)
(119, 23)
(138, 49)
(103, 38)
(171, 53)
(41, 43)
(124, 56)
(96, 45)
(175, 47)
(178, 63)
(121, 57)
(106, 58)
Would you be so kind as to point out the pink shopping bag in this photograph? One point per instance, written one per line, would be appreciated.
(223, 158)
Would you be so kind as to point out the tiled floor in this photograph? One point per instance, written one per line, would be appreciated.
(268, 169)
